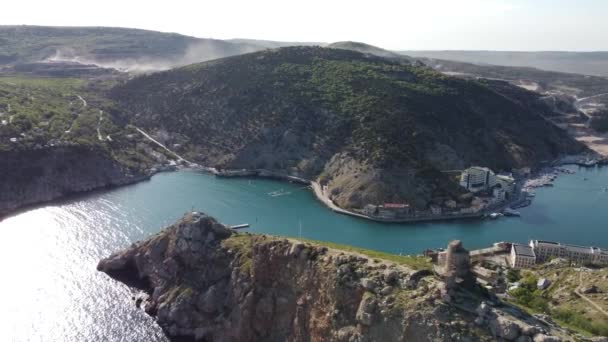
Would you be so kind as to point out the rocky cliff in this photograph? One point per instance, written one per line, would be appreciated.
(40, 175)
(208, 283)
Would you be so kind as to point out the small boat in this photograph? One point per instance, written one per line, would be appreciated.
(240, 226)
(511, 212)
(494, 216)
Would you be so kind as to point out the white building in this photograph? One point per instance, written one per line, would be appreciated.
(522, 256)
(545, 250)
(499, 194)
(506, 182)
(477, 178)
(435, 209)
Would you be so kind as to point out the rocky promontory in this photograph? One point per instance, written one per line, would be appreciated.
(40, 175)
(205, 282)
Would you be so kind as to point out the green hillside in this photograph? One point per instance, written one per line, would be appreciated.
(372, 129)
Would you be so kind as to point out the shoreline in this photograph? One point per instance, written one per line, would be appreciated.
(315, 188)
(325, 200)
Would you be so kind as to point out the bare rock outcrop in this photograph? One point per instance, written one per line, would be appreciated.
(208, 283)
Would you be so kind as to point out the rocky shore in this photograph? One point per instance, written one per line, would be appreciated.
(205, 282)
(41, 175)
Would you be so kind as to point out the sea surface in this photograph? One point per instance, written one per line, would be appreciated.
(52, 292)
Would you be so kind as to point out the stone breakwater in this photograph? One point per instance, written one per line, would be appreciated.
(208, 283)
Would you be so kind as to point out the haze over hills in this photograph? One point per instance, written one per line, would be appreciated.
(586, 63)
(366, 48)
(371, 124)
(120, 48)
(372, 129)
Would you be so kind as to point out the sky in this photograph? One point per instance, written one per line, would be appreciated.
(522, 25)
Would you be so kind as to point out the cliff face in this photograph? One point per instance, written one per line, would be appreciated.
(40, 175)
(207, 283)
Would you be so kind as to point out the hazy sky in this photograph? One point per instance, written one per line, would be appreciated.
(399, 24)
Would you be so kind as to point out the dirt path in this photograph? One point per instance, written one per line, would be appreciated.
(590, 97)
(587, 299)
(84, 102)
(99, 137)
(84, 105)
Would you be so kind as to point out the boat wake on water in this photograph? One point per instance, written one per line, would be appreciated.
(278, 193)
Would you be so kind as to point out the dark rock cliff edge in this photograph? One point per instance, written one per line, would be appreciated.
(208, 283)
(40, 175)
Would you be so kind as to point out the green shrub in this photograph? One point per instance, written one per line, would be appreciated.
(579, 321)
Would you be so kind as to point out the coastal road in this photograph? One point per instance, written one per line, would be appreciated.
(320, 194)
(147, 136)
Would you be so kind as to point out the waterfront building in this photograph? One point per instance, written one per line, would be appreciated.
(435, 209)
(499, 194)
(522, 256)
(545, 250)
(477, 178)
(451, 204)
(470, 210)
(370, 210)
(506, 182)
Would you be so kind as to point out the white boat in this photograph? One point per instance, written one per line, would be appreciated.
(511, 212)
(494, 216)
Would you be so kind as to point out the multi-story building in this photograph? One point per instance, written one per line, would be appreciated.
(522, 256)
(499, 194)
(506, 182)
(477, 178)
(545, 250)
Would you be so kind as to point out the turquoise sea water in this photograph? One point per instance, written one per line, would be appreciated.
(49, 254)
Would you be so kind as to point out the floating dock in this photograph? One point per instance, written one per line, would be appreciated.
(240, 226)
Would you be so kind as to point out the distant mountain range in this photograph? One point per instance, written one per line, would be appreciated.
(586, 63)
(142, 50)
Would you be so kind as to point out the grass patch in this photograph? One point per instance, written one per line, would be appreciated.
(415, 262)
(571, 313)
(177, 292)
(241, 244)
